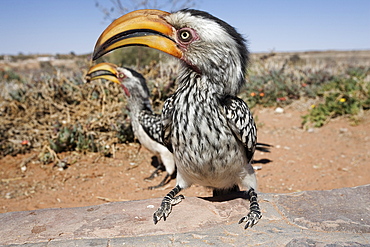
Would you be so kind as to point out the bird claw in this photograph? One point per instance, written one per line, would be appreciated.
(251, 219)
(165, 209)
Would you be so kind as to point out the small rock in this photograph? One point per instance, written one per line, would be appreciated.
(279, 110)
(62, 165)
(345, 169)
(198, 236)
(311, 130)
(343, 130)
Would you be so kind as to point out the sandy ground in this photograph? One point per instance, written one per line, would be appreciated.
(336, 155)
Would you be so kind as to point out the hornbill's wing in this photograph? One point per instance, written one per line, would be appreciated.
(152, 124)
(241, 122)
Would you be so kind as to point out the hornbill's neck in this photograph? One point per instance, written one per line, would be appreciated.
(136, 104)
(221, 81)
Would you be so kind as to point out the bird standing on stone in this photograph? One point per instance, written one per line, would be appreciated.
(145, 123)
(210, 131)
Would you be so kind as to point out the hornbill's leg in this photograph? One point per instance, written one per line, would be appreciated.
(166, 206)
(161, 184)
(155, 172)
(255, 213)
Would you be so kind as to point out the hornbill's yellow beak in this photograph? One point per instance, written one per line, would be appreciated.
(142, 28)
(106, 71)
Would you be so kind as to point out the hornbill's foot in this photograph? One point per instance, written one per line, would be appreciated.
(166, 206)
(162, 183)
(252, 218)
(255, 213)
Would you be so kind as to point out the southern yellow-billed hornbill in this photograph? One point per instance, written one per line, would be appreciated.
(210, 131)
(146, 125)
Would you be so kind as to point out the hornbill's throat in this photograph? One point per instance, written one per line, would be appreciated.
(140, 28)
(106, 71)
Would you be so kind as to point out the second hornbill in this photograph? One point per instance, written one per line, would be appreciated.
(210, 131)
(146, 125)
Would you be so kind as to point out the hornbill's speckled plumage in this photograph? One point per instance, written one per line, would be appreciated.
(146, 125)
(209, 129)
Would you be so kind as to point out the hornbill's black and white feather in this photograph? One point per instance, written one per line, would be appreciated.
(210, 131)
(146, 125)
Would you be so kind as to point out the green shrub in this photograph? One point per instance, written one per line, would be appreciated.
(73, 138)
(347, 94)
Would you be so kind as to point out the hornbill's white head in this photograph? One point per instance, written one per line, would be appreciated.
(207, 45)
(133, 83)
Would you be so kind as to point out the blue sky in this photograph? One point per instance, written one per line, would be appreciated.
(63, 26)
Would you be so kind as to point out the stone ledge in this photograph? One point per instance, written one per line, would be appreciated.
(339, 217)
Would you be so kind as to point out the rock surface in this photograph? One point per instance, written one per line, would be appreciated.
(338, 217)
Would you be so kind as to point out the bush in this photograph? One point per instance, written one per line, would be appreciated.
(348, 94)
(61, 112)
(274, 81)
